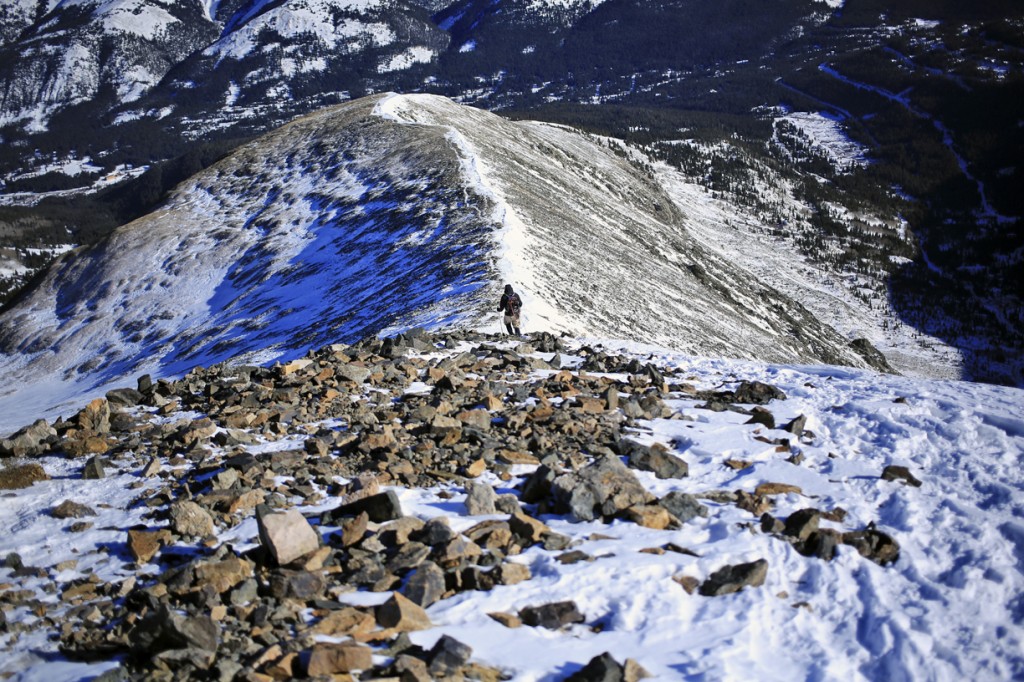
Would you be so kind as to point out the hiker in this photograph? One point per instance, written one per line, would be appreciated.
(511, 304)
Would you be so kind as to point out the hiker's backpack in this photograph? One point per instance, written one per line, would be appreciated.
(514, 305)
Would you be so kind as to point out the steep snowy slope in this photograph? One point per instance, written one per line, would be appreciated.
(386, 213)
(84, 50)
(277, 54)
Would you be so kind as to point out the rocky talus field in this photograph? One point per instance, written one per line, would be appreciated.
(370, 511)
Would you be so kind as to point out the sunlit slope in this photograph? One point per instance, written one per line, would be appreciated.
(387, 213)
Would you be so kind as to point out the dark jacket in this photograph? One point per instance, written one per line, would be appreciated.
(510, 304)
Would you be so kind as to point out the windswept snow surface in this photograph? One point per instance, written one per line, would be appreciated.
(950, 608)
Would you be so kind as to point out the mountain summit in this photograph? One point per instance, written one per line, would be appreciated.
(383, 214)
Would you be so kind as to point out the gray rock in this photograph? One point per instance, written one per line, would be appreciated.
(763, 417)
(537, 486)
(683, 506)
(874, 544)
(409, 555)
(93, 469)
(770, 524)
(71, 510)
(552, 616)
(125, 397)
(427, 584)
(436, 531)
(603, 488)
(822, 544)
(802, 523)
(380, 508)
(657, 459)
(480, 498)
(244, 593)
(796, 426)
(756, 393)
(189, 519)
(731, 579)
(900, 473)
(166, 629)
(354, 373)
(287, 535)
(448, 655)
(602, 668)
(507, 504)
(30, 441)
(300, 585)
(95, 416)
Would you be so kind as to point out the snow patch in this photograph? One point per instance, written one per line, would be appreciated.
(417, 54)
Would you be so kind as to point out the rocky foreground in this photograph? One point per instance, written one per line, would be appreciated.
(313, 452)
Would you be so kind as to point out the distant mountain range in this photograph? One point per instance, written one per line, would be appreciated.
(879, 141)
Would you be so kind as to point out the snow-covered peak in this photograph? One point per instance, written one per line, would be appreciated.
(143, 18)
(327, 21)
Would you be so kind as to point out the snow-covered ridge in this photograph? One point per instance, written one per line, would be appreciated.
(79, 47)
(328, 21)
(345, 223)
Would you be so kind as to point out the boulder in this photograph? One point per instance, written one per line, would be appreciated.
(447, 656)
(900, 473)
(223, 575)
(166, 629)
(657, 459)
(602, 668)
(426, 585)
(71, 510)
(480, 498)
(402, 615)
(300, 585)
(144, 544)
(802, 523)
(796, 426)
(683, 506)
(287, 535)
(552, 616)
(650, 516)
(874, 544)
(189, 519)
(756, 393)
(332, 659)
(528, 528)
(378, 508)
(30, 441)
(354, 373)
(95, 416)
(125, 397)
(729, 579)
(603, 488)
(93, 469)
(761, 416)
